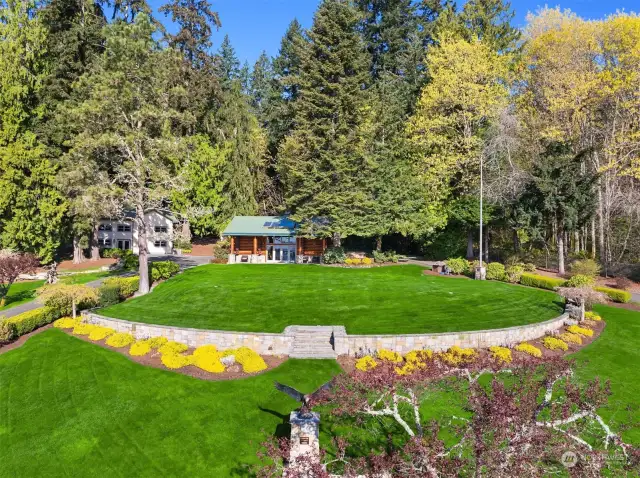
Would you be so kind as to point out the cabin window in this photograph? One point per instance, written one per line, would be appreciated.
(124, 227)
(160, 228)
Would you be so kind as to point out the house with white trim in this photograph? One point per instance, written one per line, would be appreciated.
(123, 234)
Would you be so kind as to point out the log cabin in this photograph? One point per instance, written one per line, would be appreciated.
(270, 240)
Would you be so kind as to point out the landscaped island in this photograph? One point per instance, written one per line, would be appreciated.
(379, 300)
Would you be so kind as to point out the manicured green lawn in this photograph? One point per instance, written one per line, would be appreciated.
(85, 277)
(71, 408)
(616, 356)
(384, 300)
(21, 292)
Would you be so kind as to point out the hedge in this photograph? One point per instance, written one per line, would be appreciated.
(616, 295)
(127, 285)
(27, 321)
(163, 270)
(541, 282)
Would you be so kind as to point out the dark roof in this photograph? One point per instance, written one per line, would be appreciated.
(260, 226)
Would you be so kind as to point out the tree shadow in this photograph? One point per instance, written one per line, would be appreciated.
(19, 296)
(283, 430)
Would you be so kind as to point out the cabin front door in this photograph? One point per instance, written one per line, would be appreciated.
(282, 254)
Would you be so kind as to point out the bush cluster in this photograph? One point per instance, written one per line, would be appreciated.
(221, 250)
(529, 349)
(616, 295)
(163, 270)
(541, 282)
(592, 316)
(334, 255)
(458, 265)
(514, 273)
(125, 287)
(576, 329)
(495, 271)
(112, 253)
(571, 338)
(356, 261)
(586, 267)
(21, 324)
(501, 354)
(366, 363)
(580, 280)
(554, 343)
(456, 356)
(120, 339)
(250, 360)
(390, 355)
(388, 256)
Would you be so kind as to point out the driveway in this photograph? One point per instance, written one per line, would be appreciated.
(185, 262)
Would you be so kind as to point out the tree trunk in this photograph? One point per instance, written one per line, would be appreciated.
(593, 238)
(95, 250)
(379, 243)
(186, 231)
(143, 250)
(73, 308)
(600, 223)
(78, 253)
(516, 242)
(336, 239)
(576, 238)
(560, 252)
(470, 245)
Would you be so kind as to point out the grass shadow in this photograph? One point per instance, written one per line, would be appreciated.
(283, 430)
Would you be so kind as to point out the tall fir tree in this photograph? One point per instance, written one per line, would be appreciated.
(31, 208)
(227, 66)
(262, 82)
(491, 22)
(323, 162)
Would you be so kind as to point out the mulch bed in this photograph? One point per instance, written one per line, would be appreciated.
(429, 272)
(152, 359)
(348, 363)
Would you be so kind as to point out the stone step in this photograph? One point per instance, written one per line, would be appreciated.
(313, 355)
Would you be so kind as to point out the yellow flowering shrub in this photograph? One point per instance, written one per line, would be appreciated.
(529, 349)
(99, 333)
(120, 339)
(501, 354)
(553, 343)
(140, 348)
(571, 338)
(418, 358)
(592, 316)
(83, 329)
(407, 369)
(576, 329)
(390, 355)
(250, 360)
(171, 347)
(175, 360)
(367, 261)
(206, 350)
(157, 342)
(66, 323)
(456, 356)
(366, 363)
(209, 363)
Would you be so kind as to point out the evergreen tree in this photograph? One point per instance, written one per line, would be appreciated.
(195, 19)
(490, 22)
(31, 208)
(227, 67)
(261, 86)
(323, 162)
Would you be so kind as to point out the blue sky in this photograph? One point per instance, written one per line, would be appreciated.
(256, 25)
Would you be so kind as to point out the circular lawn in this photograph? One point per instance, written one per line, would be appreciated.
(377, 300)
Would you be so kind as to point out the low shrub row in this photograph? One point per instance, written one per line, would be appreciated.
(116, 289)
(21, 324)
(163, 270)
(388, 256)
(616, 295)
(357, 261)
(541, 282)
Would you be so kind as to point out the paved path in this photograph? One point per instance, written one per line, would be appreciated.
(185, 262)
(635, 297)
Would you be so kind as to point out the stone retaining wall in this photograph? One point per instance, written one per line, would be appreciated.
(264, 344)
(344, 344)
(507, 337)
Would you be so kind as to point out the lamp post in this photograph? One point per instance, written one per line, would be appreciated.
(481, 272)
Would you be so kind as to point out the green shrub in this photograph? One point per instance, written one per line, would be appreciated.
(7, 331)
(530, 267)
(129, 261)
(388, 256)
(181, 243)
(586, 267)
(458, 265)
(31, 320)
(109, 294)
(334, 255)
(221, 249)
(495, 271)
(514, 273)
(163, 270)
(580, 280)
(114, 252)
(127, 285)
(541, 282)
(615, 295)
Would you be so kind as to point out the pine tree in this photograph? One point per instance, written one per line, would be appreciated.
(262, 82)
(31, 208)
(227, 67)
(195, 19)
(490, 22)
(323, 162)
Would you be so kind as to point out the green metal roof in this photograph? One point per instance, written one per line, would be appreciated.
(260, 226)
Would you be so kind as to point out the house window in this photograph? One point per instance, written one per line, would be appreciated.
(104, 242)
(160, 228)
(124, 227)
(160, 243)
(105, 227)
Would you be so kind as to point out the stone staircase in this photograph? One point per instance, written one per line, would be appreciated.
(312, 342)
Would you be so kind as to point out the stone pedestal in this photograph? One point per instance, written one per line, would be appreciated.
(305, 429)
(481, 273)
